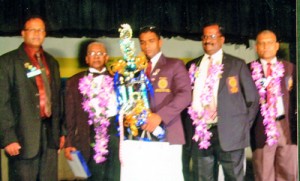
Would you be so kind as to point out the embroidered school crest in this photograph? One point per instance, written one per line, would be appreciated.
(232, 84)
(162, 85)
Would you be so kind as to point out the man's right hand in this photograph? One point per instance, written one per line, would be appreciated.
(68, 151)
(13, 149)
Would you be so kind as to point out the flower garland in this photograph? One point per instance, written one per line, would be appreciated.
(268, 107)
(200, 118)
(96, 97)
(193, 73)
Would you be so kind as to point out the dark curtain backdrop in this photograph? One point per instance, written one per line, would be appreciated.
(242, 19)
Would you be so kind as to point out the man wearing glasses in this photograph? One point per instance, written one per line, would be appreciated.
(225, 102)
(274, 132)
(30, 110)
(82, 134)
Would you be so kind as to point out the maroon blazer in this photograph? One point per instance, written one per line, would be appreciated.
(258, 136)
(78, 130)
(79, 133)
(172, 94)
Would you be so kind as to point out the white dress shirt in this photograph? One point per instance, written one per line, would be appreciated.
(279, 103)
(112, 104)
(200, 80)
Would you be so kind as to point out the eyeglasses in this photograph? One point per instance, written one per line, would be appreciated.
(94, 54)
(213, 37)
(31, 30)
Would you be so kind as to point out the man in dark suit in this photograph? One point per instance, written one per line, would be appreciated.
(30, 110)
(172, 92)
(225, 102)
(274, 155)
(80, 134)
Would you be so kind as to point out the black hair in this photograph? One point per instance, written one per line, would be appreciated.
(30, 17)
(221, 28)
(149, 28)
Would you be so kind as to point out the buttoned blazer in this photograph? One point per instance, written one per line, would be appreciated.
(237, 103)
(172, 94)
(19, 104)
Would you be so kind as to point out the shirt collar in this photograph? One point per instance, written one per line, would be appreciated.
(216, 57)
(264, 62)
(93, 70)
(31, 51)
(155, 59)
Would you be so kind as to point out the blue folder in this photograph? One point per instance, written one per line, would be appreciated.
(78, 165)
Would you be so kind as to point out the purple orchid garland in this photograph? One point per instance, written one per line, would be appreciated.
(95, 101)
(202, 134)
(268, 108)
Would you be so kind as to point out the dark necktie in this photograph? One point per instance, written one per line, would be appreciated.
(48, 111)
(148, 70)
(269, 70)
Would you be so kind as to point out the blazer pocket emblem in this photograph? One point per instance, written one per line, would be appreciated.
(232, 84)
(162, 85)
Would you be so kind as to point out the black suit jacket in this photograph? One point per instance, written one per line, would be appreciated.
(19, 104)
(258, 136)
(236, 110)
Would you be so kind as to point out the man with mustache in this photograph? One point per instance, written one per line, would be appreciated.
(30, 110)
(274, 156)
(82, 136)
(225, 103)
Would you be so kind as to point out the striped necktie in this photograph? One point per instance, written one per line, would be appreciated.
(48, 111)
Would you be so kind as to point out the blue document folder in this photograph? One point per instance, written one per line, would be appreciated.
(78, 165)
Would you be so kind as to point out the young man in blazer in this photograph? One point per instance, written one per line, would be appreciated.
(227, 114)
(172, 94)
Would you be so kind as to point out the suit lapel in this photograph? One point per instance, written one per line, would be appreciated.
(23, 58)
(283, 86)
(227, 65)
(160, 63)
(198, 61)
